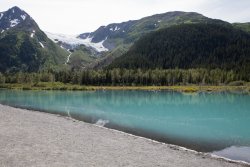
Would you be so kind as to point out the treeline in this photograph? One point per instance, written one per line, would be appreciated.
(129, 77)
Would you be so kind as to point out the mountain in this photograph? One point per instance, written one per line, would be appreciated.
(243, 26)
(11, 18)
(111, 41)
(118, 37)
(24, 47)
(190, 46)
(130, 31)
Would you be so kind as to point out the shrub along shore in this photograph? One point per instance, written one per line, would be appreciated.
(72, 87)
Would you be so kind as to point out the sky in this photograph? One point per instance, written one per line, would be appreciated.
(79, 16)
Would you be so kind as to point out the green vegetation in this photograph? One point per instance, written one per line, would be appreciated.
(21, 52)
(109, 57)
(243, 26)
(189, 81)
(45, 86)
(130, 77)
(206, 46)
(82, 57)
(71, 87)
(159, 21)
(134, 30)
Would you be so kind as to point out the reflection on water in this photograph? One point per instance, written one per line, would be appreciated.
(202, 121)
(233, 152)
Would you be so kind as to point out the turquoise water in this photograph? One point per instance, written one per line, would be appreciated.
(208, 122)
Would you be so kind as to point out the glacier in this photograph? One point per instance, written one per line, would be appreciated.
(74, 41)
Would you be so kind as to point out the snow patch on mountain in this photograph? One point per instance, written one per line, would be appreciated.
(14, 22)
(41, 44)
(23, 16)
(1, 16)
(32, 34)
(2, 31)
(74, 41)
(117, 28)
(114, 29)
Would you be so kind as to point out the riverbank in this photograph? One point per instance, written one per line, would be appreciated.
(39, 139)
(71, 87)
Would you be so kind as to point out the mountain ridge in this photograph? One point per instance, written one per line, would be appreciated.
(129, 29)
(88, 50)
(121, 36)
(118, 37)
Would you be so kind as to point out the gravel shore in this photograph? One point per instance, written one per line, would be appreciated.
(39, 139)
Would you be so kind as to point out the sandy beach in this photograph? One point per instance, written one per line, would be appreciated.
(39, 139)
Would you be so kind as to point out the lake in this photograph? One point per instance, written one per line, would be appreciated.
(218, 123)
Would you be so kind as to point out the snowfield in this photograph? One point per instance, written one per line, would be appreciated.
(14, 22)
(74, 41)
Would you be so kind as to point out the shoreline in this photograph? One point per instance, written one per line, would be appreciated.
(178, 149)
(178, 88)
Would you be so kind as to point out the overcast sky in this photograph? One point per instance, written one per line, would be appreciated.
(78, 16)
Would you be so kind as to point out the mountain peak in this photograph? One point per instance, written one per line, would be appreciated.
(15, 8)
(12, 17)
(21, 36)
(15, 11)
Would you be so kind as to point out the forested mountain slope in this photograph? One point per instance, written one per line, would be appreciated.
(190, 46)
